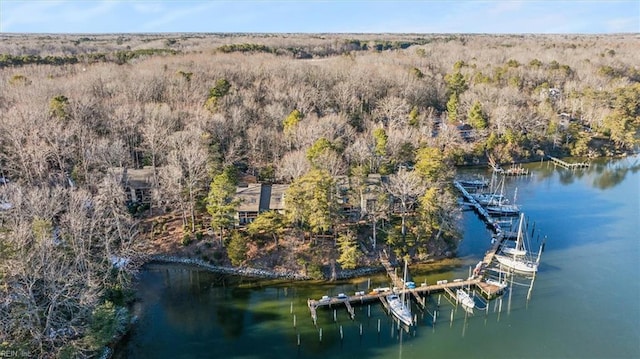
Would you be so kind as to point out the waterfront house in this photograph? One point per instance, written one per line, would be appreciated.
(137, 182)
(256, 198)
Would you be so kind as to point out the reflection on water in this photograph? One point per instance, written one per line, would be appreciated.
(605, 174)
(584, 302)
(612, 174)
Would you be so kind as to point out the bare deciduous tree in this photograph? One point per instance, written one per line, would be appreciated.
(405, 187)
(292, 166)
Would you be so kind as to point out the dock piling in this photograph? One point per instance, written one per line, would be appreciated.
(531, 287)
(352, 313)
(451, 323)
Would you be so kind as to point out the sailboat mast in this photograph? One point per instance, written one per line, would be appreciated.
(404, 275)
(519, 243)
(404, 280)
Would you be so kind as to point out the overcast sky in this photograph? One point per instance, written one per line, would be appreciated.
(310, 16)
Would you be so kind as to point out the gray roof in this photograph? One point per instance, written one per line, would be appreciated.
(276, 202)
(249, 197)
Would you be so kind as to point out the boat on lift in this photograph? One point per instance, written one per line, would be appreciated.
(398, 306)
(465, 300)
(518, 258)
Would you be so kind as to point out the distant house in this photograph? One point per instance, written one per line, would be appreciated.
(256, 198)
(137, 182)
(564, 120)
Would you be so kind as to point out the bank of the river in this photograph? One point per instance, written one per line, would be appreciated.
(257, 272)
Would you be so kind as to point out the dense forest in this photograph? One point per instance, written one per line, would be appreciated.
(207, 111)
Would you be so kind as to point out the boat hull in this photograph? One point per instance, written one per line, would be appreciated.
(465, 300)
(504, 210)
(399, 310)
(514, 251)
(520, 265)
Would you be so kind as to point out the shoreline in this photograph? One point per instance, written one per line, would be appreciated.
(256, 272)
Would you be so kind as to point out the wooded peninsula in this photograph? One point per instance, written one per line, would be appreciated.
(295, 155)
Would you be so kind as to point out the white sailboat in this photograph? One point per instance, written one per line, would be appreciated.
(398, 307)
(517, 258)
(489, 199)
(500, 206)
(465, 300)
(519, 250)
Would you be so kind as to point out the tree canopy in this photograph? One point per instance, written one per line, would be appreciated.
(221, 203)
(310, 201)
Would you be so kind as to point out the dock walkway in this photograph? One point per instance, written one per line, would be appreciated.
(568, 165)
(349, 301)
(395, 280)
(478, 207)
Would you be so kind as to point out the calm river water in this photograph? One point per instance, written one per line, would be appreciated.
(585, 302)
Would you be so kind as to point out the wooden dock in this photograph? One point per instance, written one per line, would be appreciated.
(568, 165)
(417, 293)
(511, 171)
(391, 272)
(486, 217)
(482, 212)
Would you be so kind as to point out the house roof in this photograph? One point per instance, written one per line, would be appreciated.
(249, 197)
(276, 202)
(134, 177)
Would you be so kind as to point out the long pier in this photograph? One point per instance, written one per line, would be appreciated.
(349, 301)
(568, 165)
(484, 214)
